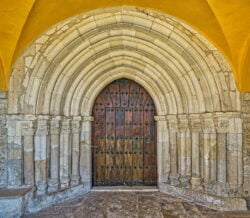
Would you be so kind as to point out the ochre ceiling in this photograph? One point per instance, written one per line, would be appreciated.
(226, 23)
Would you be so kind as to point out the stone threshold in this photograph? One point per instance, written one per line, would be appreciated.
(124, 189)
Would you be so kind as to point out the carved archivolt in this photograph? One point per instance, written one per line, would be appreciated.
(63, 71)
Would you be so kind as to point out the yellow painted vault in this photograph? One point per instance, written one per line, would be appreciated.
(226, 23)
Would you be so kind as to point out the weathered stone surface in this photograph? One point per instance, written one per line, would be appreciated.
(132, 204)
(3, 139)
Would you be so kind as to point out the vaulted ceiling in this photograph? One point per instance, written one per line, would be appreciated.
(226, 23)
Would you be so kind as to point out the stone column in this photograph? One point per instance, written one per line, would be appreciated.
(222, 124)
(40, 155)
(184, 151)
(196, 129)
(85, 151)
(65, 154)
(163, 153)
(234, 152)
(28, 151)
(15, 151)
(54, 154)
(75, 150)
(173, 129)
(209, 149)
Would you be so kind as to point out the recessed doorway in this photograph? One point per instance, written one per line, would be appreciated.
(124, 136)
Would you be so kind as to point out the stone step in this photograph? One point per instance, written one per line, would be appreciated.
(124, 189)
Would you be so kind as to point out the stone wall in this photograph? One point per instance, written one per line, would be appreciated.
(246, 142)
(3, 139)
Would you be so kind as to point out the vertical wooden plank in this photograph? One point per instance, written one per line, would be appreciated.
(110, 146)
(98, 142)
(133, 94)
(119, 149)
(124, 93)
(137, 145)
(115, 95)
(142, 97)
(128, 149)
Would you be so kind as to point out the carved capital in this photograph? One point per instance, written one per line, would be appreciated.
(27, 128)
(160, 118)
(54, 127)
(183, 123)
(208, 123)
(65, 126)
(172, 123)
(75, 126)
(42, 127)
(195, 123)
(222, 125)
(88, 119)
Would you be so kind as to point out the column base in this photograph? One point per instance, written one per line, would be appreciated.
(196, 183)
(41, 188)
(185, 181)
(53, 186)
(64, 182)
(174, 179)
(75, 180)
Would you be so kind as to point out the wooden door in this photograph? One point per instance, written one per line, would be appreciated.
(124, 136)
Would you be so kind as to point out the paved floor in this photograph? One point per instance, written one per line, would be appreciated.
(132, 205)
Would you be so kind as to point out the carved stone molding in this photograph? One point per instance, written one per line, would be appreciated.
(208, 123)
(195, 123)
(27, 129)
(41, 127)
(172, 123)
(183, 123)
(88, 118)
(160, 118)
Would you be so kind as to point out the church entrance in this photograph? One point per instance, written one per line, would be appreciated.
(124, 136)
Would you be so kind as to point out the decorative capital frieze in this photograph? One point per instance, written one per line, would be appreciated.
(172, 123)
(27, 128)
(54, 127)
(160, 118)
(41, 127)
(75, 126)
(65, 126)
(183, 123)
(222, 124)
(88, 118)
(195, 123)
(208, 123)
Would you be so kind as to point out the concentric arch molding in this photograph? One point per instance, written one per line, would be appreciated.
(65, 68)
